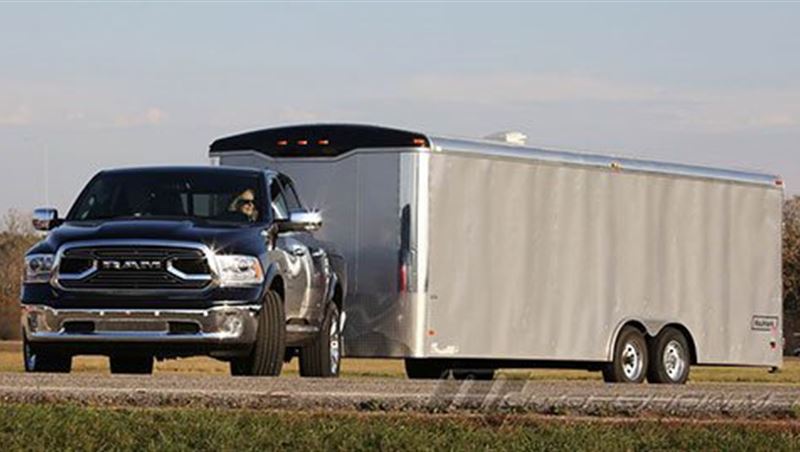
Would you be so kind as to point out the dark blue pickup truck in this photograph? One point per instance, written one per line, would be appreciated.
(159, 263)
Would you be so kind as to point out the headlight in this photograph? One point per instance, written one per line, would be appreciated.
(38, 268)
(239, 271)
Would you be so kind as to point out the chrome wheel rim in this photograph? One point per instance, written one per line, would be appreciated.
(632, 361)
(334, 342)
(674, 360)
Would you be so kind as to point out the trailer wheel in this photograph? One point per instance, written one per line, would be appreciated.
(629, 364)
(322, 358)
(38, 358)
(473, 374)
(426, 369)
(670, 358)
(126, 364)
(266, 357)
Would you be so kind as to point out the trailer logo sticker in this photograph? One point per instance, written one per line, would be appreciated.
(446, 350)
(764, 323)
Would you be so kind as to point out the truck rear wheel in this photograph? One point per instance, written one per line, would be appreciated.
(322, 358)
(427, 369)
(39, 359)
(266, 357)
(670, 358)
(131, 364)
(629, 364)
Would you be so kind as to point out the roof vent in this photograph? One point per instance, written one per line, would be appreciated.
(510, 137)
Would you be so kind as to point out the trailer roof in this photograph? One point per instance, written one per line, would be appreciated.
(332, 140)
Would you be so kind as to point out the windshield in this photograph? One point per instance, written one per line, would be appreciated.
(204, 196)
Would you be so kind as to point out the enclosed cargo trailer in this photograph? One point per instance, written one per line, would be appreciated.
(468, 253)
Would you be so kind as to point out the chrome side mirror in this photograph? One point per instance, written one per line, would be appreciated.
(45, 219)
(301, 220)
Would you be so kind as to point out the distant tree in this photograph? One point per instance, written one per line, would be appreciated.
(16, 236)
(791, 270)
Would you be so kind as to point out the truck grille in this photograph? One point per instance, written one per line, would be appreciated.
(133, 268)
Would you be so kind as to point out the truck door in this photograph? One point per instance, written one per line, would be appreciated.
(317, 258)
(294, 256)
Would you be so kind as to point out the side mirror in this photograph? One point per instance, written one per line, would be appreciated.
(45, 219)
(301, 220)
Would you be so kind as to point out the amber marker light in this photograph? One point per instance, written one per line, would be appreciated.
(779, 182)
(323, 142)
(282, 142)
(302, 142)
(419, 141)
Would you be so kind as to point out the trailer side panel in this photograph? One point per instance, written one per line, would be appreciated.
(539, 260)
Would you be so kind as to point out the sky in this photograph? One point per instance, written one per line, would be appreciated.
(85, 87)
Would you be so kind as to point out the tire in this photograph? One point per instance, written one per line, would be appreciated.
(426, 369)
(266, 356)
(629, 364)
(473, 374)
(323, 357)
(671, 358)
(131, 364)
(37, 358)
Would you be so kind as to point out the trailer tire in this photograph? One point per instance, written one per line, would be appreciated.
(266, 356)
(426, 369)
(323, 357)
(671, 358)
(629, 363)
(38, 358)
(126, 364)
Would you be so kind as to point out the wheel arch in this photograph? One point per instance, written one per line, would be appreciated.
(274, 281)
(651, 329)
(686, 334)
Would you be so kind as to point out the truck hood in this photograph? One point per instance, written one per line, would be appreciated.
(244, 239)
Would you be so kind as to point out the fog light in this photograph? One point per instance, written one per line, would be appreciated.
(233, 325)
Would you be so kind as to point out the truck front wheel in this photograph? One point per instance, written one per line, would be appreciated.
(266, 356)
(39, 359)
(322, 357)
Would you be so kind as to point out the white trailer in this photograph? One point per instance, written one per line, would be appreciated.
(470, 254)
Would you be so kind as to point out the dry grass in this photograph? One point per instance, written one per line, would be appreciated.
(11, 361)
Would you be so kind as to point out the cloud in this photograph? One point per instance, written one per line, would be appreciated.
(717, 109)
(516, 88)
(152, 116)
(20, 116)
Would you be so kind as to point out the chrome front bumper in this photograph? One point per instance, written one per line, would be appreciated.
(235, 324)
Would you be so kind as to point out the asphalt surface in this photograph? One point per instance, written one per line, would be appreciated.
(767, 401)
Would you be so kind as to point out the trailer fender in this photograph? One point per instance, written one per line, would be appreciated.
(651, 328)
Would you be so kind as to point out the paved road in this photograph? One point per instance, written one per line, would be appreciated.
(370, 394)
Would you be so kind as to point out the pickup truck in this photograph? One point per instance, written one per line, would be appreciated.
(161, 263)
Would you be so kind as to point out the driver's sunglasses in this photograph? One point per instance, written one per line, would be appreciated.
(243, 202)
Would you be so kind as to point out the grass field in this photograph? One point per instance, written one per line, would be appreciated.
(43, 427)
(11, 361)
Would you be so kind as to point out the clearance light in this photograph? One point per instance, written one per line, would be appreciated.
(779, 182)
(282, 142)
(615, 166)
(323, 142)
(419, 142)
(302, 142)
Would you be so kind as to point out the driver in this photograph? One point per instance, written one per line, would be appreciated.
(245, 204)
